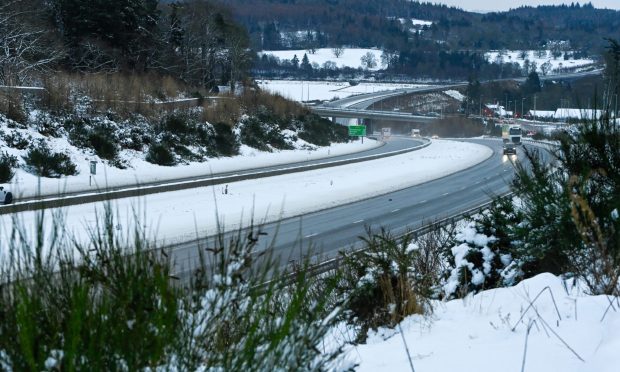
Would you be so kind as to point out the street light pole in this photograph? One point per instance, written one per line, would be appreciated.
(522, 100)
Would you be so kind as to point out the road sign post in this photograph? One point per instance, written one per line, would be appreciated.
(93, 171)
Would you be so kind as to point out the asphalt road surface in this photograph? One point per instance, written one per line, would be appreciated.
(327, 231)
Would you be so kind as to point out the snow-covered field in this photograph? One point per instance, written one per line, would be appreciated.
(302, 90)
(178, 216)
(475, 333)
(515, 56)
(25, 184)
(351, 57)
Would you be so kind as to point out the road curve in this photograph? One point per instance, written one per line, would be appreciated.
(331, 230)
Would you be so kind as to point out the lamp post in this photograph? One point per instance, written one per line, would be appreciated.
(522, 100)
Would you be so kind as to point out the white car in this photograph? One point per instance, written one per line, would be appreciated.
(6, 197)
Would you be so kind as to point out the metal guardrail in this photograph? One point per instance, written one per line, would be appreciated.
(60, 201)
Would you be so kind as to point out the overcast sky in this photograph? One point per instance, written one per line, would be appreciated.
(494, 5)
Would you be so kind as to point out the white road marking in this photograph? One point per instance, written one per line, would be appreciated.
(311, 235)
(395, 210)
(358, 221)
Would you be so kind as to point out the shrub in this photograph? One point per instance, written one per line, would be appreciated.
(571, 207)
(115, 303)
(45, 163)
(321, 132)
(12, 106)
(160, 153)
(486, 253)
(7, 163)
(17, 140)
(103, 144)
(177, 123)
(226, 142)
(261, 135)
(384, 283)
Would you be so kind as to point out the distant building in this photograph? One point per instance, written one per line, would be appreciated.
(498, 110)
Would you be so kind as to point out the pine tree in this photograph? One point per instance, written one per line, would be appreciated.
(295, 62)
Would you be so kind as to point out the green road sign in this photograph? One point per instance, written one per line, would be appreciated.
(357, 130)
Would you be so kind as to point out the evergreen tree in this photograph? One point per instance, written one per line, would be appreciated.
(532, 84)
(305, 66)
(295, 62)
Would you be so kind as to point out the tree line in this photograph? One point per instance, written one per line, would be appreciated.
(195, 41)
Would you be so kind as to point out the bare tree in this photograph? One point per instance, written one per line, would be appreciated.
(338, 51)
(369, 60)
(545, 68)
(23, 49)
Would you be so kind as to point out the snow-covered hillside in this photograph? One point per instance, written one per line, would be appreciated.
(351, 57)
(544, 60)
(139, 171)
(489, 332)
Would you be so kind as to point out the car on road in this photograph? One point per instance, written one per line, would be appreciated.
(510, 149)
(6, 197)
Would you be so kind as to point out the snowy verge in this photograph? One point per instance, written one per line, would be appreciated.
(25, 184)
(183, 215)
(475, 333)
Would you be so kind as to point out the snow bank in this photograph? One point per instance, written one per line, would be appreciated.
(140, 171)
(476, 333)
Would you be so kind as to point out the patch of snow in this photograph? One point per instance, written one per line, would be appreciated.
(303, 90)
(455, 94)
(351, 57)
(476, 333)
(555, 64)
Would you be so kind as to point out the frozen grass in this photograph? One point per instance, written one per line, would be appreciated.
(115, 304)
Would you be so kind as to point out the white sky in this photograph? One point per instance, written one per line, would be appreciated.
(494, 5)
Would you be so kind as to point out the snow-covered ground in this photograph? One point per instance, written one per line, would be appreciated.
(475, 333)
(555, 64)
(181, 215)
(302, 90)
(351, 57)
(139, 171)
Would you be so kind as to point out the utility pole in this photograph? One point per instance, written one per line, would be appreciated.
(515, 113)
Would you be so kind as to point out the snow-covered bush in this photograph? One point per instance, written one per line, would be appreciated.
(226, 142)
(44, 162)
(385, 282)
(319, 131)
(17, 140)
(486, 252)
(7, 163)
(262, 134)
(160, 154)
